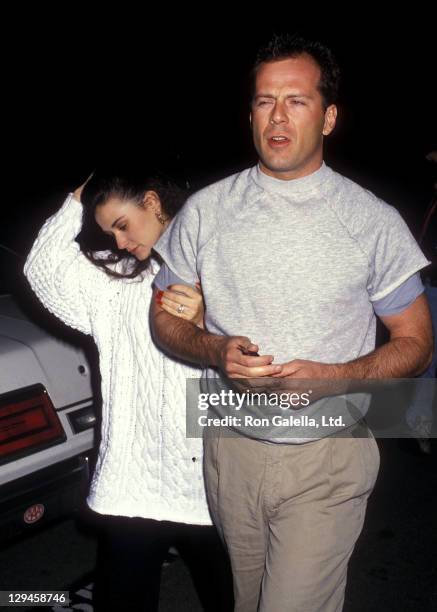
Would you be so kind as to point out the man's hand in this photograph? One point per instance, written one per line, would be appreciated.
(233, 359)
(303, 368)
(301, 375)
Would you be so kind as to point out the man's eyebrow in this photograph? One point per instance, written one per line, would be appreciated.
(306, 96)
(296, 95)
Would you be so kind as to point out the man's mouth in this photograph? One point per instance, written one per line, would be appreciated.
(278, 141)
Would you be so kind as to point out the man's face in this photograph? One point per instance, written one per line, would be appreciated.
(288, 119)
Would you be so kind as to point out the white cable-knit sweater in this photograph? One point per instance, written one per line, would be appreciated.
(146, 466)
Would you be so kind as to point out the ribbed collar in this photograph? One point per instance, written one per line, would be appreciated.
(294, 187)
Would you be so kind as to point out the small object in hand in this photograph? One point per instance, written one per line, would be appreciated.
(181, 308)
(250, 353)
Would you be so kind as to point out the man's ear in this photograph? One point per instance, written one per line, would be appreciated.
(330, 119)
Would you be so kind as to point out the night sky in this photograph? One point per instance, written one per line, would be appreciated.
(80, 92)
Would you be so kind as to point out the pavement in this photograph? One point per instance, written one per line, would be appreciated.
(393, 567)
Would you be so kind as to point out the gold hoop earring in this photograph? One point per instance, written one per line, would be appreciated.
(161, 218)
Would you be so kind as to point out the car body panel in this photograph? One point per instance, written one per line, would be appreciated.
(55, 476)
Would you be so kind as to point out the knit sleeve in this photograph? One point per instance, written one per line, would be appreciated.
(64, 280)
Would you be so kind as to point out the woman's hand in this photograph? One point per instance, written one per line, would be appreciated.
(184, 302)
(78, 192)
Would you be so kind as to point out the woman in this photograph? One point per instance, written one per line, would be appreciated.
(148, 474)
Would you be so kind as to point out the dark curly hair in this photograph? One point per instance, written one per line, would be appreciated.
(100, 248)
(286, 46)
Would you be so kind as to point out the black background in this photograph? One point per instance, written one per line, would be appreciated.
(81, 89)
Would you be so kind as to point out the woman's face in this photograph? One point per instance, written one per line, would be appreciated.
(134, 228)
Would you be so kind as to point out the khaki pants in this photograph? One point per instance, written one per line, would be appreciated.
(290, 515)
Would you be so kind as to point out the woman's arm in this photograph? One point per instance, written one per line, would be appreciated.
(59, 273)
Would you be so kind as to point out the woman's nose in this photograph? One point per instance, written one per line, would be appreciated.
(121, 241)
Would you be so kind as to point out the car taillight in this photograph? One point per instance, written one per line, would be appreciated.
(28, 422)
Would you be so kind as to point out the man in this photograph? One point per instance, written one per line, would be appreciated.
(294, 261)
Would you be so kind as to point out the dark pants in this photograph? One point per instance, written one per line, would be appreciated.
(130, 556)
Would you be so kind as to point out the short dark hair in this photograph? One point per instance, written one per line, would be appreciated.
(127, 185)
(286, 46)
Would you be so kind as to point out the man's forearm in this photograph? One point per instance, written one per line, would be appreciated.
(184, 339)
(233, 355)
(398, 358)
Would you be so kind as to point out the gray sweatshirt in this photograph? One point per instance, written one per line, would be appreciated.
(293, 265)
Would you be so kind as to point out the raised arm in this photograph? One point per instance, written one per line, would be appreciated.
(58, 272)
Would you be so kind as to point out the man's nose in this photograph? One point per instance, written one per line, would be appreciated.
(279, 114)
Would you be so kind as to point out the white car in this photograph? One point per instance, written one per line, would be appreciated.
(47, 416)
